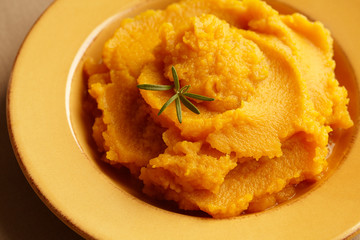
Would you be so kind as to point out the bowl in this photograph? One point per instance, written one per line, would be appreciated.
(50, 135)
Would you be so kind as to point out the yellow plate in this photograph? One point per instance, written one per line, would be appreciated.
(51, 140)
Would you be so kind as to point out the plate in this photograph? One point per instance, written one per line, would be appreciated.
(50, 136)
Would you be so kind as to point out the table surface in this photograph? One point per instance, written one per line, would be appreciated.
(22, 214)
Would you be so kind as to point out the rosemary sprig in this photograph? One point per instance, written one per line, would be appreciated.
(179, 96)
(155, 87)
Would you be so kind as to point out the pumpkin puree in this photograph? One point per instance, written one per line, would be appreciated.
(276, 100)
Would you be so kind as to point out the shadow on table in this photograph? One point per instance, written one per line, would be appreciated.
(22, 213)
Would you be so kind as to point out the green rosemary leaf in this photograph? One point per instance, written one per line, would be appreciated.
(168, 103)
(184, 89)
(153, 87)
(199, 97)
(188, 104)
(176, 79)
(180, 95)
(178, 109)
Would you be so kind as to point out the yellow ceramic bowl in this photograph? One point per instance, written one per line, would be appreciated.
(50, 135)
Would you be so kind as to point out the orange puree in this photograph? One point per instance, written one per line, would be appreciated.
(276, 100)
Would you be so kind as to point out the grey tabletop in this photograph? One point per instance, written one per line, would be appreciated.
(22, 214)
